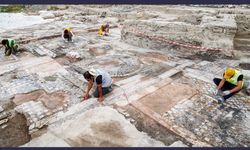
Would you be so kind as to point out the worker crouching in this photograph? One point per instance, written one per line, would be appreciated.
(104, 30)
(10, 46)
(67, 35)
(231, 83)
(99, 78)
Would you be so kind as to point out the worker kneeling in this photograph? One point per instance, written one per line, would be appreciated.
(67, 34)
(10, 46)
(233, 81)
(104, 30)
(101, 79)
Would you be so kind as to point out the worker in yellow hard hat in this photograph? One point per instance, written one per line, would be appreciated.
(67, 34)
(104, 29)
(231, 83)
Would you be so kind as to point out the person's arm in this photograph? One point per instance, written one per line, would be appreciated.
(237, 88)
(239, 84)
(99, 88)
(221, 84)
(72, 33)
(6, 47)
(63, 35)
(90, 85)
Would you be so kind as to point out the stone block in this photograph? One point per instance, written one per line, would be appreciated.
(3, 121)
(1, 109)
(4, 115)
(178, 144)
(4, 126)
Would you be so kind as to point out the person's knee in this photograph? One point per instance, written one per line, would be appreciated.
(216, 81)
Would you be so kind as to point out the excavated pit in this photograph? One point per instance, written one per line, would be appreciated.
(145, 124)
(208, 56)
(15, 131)
(245, 66)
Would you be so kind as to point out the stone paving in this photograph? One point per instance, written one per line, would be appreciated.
(116, 65)
(47, 86)
(214, 124)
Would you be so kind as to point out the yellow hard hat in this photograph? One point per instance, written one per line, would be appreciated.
(229, 72)
(69, 29)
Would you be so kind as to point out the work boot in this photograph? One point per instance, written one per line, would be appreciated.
(220, 100)
(222, 106)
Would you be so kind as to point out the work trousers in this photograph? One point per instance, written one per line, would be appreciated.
(105, 90)
(225, 87)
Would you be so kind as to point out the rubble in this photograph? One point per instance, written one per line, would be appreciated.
(96, 131)
(1, 109)
(178, 144)
(3, 121)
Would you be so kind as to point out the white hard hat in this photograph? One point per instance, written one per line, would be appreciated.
(92, 71)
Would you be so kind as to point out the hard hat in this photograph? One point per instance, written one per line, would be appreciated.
(93, 72)
(69, 29)
(229, 72)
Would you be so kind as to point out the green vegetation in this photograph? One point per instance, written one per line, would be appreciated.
(53, 8)
(57, 8)
(12, 8)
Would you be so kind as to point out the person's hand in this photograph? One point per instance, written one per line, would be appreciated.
(85, 97)
(216, 92)
(100, 99)
(226, 92)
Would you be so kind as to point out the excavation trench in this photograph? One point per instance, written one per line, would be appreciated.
(15, 131)
(245, 66)
(145, 124)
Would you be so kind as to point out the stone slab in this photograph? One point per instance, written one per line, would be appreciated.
(168, 96)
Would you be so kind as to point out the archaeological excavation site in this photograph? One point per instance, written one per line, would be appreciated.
(162, 60)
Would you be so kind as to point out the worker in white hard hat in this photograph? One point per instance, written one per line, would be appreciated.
(101, 79)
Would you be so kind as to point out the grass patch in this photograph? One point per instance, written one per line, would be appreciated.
(57, 8)
(12, 8)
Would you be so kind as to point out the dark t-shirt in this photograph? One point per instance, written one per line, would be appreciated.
(98, 79)
(240, 78)
(67, 34)
(104, 28)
